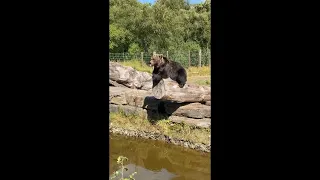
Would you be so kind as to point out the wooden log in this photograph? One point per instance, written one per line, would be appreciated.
(168, 89)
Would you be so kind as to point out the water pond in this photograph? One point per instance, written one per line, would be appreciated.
(157, 160)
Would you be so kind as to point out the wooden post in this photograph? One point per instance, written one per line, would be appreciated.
(167, 54)
(200, 58)
(189, 59)
(209, 58)
(123, 56)
(141, 57)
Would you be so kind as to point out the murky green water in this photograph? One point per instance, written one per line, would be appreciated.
(157, 160)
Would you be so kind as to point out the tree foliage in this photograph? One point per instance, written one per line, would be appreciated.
(168, 25)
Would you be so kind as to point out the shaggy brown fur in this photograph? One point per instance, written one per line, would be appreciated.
(164, 68)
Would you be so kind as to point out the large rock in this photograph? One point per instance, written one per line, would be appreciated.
(154, 115)
(149, 114)
(168, 89)
(205, 122)
(121, 100)
(192, 110)
(113, 108)
(117, 95)
(133, 97)
(143, 99)
(129, 77)
(128, 110)
(114, 83)
(136, 97)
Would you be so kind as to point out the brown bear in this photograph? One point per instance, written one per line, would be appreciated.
(164, 68)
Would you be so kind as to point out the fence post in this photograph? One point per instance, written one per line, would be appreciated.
(199, 57)
(189, 59)
(209, 58)
(141, 57)
(167, 54)
(123, 56)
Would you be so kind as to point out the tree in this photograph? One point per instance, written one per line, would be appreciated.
(168, 25)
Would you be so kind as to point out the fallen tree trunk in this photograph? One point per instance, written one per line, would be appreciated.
(168, 89)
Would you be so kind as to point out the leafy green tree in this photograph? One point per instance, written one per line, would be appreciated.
(168, 25)
(134, 48)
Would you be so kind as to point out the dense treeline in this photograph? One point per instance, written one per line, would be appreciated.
(167, 25)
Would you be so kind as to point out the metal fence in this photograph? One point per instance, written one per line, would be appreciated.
(185, 58)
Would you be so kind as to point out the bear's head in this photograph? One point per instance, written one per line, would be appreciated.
(156, 60)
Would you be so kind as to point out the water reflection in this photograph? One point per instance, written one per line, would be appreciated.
(158, 160)
(145, 174)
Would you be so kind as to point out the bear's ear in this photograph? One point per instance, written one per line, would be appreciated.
(161, 58)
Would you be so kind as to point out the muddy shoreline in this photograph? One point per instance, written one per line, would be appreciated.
(157, 136)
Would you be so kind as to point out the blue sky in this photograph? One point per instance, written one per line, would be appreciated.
(152, 1)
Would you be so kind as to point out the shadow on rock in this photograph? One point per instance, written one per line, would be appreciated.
(159, 109)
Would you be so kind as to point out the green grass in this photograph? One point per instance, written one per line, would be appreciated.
(138, 65)
(199, 71)
(176, 130)
(204, 82)
(200, 80)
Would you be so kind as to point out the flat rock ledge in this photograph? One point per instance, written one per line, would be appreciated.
(143, 99)
(157, 136)
(149, 114)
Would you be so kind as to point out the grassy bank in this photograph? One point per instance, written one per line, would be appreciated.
(200, 80)
(196, 75)
(137, 65)
(199, 71)
(166, 127)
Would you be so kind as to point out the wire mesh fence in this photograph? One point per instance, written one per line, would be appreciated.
(185, 58)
